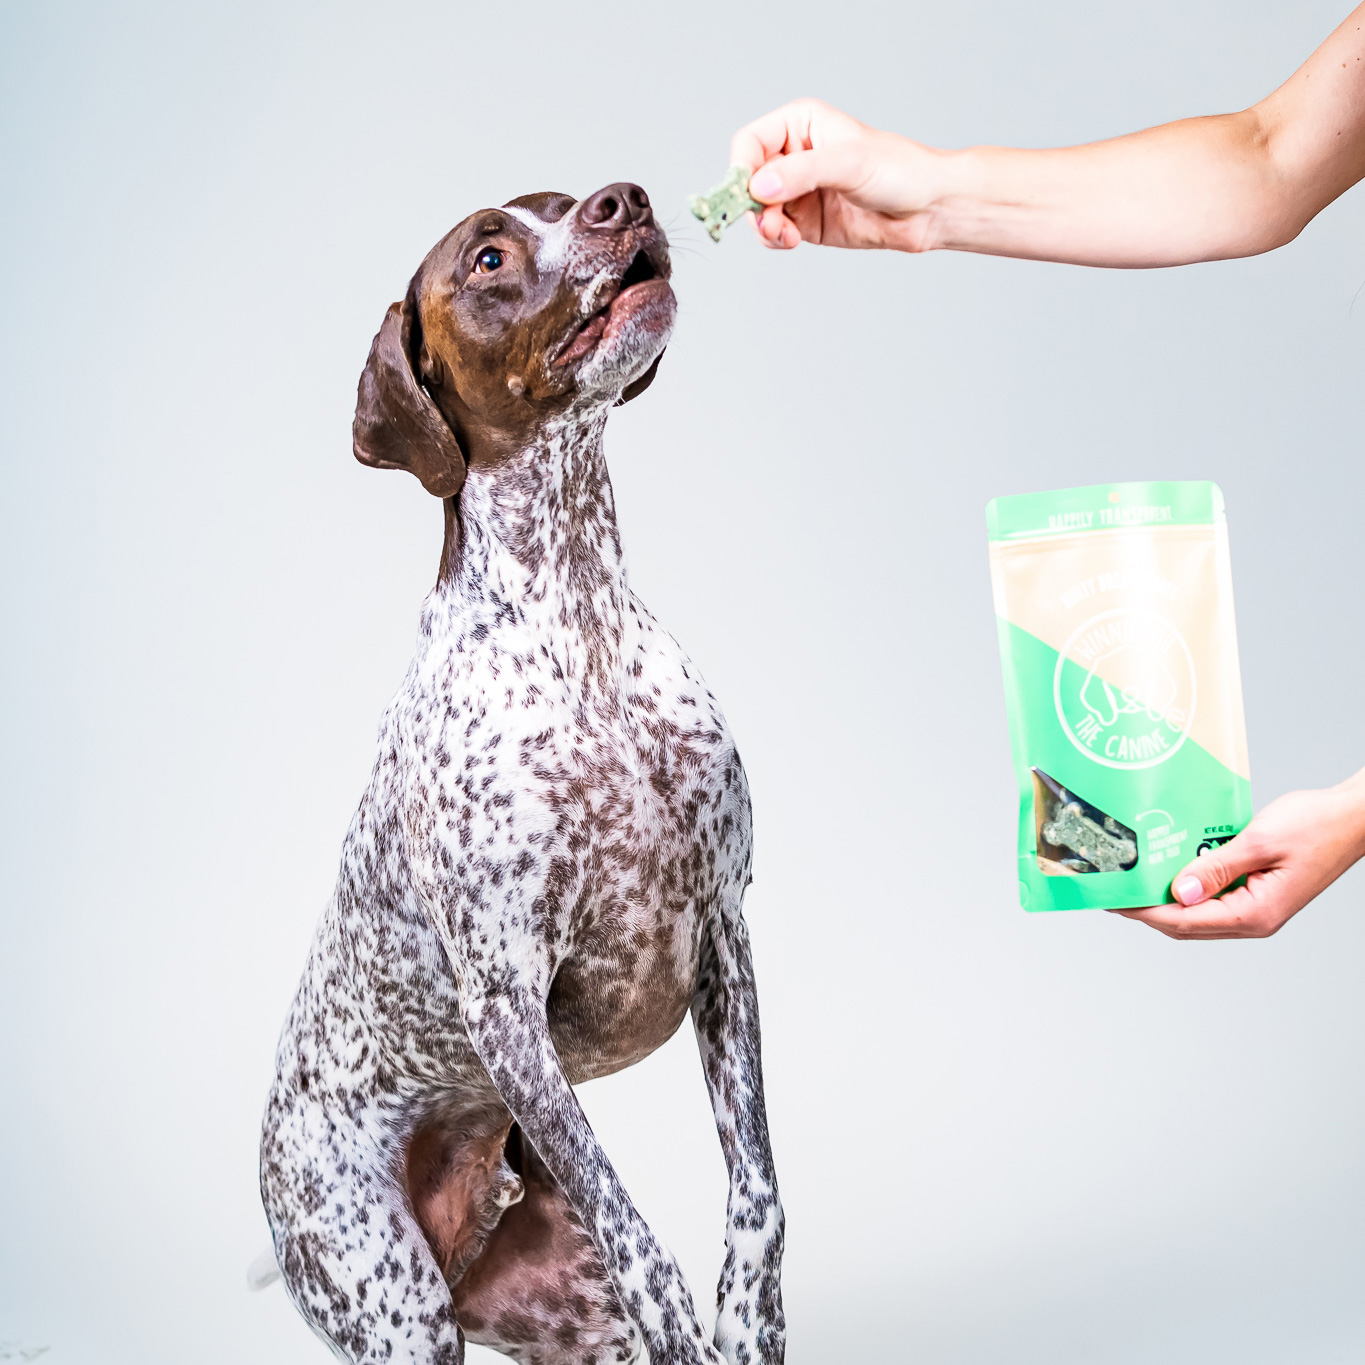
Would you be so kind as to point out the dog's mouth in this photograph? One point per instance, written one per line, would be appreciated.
(641, 281)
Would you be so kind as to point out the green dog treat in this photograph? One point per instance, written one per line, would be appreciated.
(1103, 848)
(1075, 837)
(726, 204)
(1124, 695)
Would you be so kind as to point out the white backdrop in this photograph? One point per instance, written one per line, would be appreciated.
(1001, 1138)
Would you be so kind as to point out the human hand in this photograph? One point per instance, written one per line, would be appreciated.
(829, 179)
(1290, 853)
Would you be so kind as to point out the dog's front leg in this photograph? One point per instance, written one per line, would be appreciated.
(750, 1327)
(505, 1016)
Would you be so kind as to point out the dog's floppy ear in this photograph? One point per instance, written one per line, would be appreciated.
(397, 426)
(637, 386)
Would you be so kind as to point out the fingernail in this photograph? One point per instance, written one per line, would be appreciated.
(1188, 890)
(764, 184)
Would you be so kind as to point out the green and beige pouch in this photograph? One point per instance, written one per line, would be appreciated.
(1124, 695)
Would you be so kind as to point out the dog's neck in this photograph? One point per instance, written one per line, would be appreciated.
(534, 538)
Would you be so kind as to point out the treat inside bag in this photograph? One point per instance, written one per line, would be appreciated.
(1073, 836)
(1122, 686)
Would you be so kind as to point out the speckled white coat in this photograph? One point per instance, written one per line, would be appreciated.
(544, 875)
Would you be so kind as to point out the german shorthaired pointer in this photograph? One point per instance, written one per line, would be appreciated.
(546, 870)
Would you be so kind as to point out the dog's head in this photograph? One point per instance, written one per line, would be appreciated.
(515, 316)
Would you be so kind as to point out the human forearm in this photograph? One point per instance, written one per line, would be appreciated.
(1351, 795)
(1197, 190)
(1202, 189)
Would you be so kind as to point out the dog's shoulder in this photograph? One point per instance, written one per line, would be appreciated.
(660, 662)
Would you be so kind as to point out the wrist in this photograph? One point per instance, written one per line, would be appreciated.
(914, 192)
(956, 214)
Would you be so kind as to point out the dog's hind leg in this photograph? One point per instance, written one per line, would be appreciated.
(350, 1252)
(538, 1292)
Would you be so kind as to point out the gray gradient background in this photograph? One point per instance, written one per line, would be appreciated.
(1002, 1138)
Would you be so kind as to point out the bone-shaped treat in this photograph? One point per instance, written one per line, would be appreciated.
(1102, 845)
(725, 204)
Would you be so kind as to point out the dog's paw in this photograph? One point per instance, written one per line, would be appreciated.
(751, 1328)
(763, 1345)
(692, 1352)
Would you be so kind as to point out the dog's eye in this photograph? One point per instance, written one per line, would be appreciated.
(489, 260)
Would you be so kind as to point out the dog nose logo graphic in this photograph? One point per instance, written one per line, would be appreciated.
(1151, 693)
(1124, 689)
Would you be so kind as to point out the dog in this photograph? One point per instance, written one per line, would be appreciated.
(545, 873)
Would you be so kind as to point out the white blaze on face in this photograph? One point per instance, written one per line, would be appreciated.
(559, 248)
(591, 267)
(555, 239)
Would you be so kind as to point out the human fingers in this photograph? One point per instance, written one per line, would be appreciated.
(1218, 867)
(1255, 910)
(1273, 893)
(841, 166)
(785, 129)
(1290, 853)
(775, 229)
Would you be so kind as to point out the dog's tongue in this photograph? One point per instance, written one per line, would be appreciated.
(586, 339)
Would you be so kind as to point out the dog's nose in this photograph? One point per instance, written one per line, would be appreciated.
(615, 207)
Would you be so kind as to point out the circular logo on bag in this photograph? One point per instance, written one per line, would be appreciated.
(1128, 700)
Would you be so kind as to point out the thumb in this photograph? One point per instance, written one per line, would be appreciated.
(789, 177)
(1217, 869)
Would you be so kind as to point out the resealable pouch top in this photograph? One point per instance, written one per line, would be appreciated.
(1124, 694)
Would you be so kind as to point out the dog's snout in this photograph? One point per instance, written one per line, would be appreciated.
(615, 207)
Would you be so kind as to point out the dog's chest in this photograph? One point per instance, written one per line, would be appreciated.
(593, 796)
